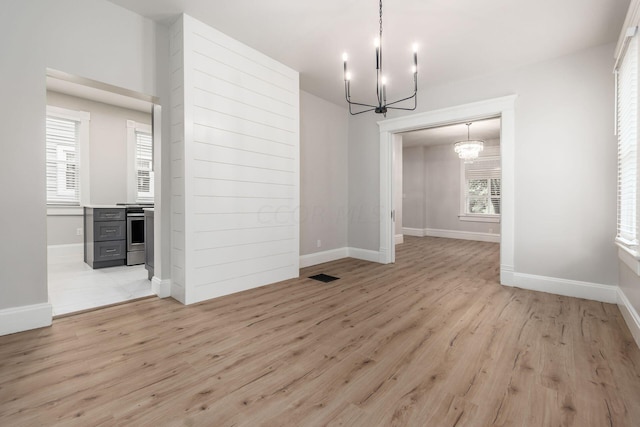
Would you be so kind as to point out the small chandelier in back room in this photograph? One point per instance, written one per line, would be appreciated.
(381, 80)
(469, 149)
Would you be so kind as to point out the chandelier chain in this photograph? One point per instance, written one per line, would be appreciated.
(380, 21)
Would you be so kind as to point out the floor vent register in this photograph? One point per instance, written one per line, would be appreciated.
(325, 278)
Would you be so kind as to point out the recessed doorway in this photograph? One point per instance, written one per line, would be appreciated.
(100, 145)
(389, 130)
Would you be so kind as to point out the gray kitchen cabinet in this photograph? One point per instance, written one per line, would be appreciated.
(105, 237)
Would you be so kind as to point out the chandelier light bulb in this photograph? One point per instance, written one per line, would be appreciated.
(345, 56)
(348, 75)
(415, 47)
(414, 69)
(376, 42)
(384, 80)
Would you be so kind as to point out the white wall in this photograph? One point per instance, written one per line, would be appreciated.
(239, 143)
(89, 38)
(565, 164)
(413, 187)
(323, 175)
(397, 186)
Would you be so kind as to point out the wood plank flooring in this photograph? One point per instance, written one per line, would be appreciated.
(433, 340)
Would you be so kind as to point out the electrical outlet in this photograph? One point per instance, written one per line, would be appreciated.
(78, 231)
(319, 243)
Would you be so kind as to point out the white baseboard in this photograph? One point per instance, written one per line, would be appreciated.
(399, 239)
(462, 235)
(162, 288)
(322, 257)
(630, 315)
(72, 249)
(506, 275)
(364, 254)
(336, 254)
(417, 232)
(452, 234)
(570, 288)
(18, 319)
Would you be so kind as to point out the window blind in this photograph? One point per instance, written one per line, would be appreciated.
(482, 184)
(63, 166)
(627, 117)
(144, 160)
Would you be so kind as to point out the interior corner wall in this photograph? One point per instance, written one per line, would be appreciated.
(323, 175)
(565, 164)
(89, 38)
(237, 164)
(413, 187)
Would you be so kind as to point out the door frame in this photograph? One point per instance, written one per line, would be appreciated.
(503, 107)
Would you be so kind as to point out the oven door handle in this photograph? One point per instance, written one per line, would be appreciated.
(135, 214)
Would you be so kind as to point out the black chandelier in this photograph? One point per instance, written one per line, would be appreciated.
(381, 91)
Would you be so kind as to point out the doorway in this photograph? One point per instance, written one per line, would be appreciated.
(101, 141)
(497, 107)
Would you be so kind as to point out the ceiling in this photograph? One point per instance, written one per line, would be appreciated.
(457, 39)
(479, 129)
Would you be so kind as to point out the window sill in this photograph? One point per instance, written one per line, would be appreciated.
(479, 218)
(629, 257)
(61, 210)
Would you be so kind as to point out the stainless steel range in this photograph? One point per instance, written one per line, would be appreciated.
(135, 232)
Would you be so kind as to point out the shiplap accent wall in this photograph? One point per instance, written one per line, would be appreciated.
(236, 178)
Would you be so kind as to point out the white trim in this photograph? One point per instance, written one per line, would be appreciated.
(71, 249)
(364, 254)
(630, 315)
(399, 239)
(506, 275)
(632, 19)
(629, 257)
(322, 257)
(479, 218)
(18, 319)
(417, 232)
(570, 288)
(462, 235)
(61, 210)
(162, 288)
(503, 107)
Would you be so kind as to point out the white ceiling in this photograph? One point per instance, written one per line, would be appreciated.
(480, 129)
(457, 39)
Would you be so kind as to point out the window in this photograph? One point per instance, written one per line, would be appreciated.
(64, 132)
(481, 187)
(627, 126)
(141, 186)
(144, 174)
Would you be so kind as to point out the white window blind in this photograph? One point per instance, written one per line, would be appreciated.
(627, 125)
(482, 184)
(144, 172)
(63, 166)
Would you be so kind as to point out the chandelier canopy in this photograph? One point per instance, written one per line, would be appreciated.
(468, 150)
(381, 81)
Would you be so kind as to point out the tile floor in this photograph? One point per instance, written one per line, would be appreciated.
(74, 286)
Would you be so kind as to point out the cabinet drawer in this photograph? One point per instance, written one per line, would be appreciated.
(116, 214)
(105, 251)
(109, 230)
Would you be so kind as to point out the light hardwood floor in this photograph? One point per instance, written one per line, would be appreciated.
(433, 340)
